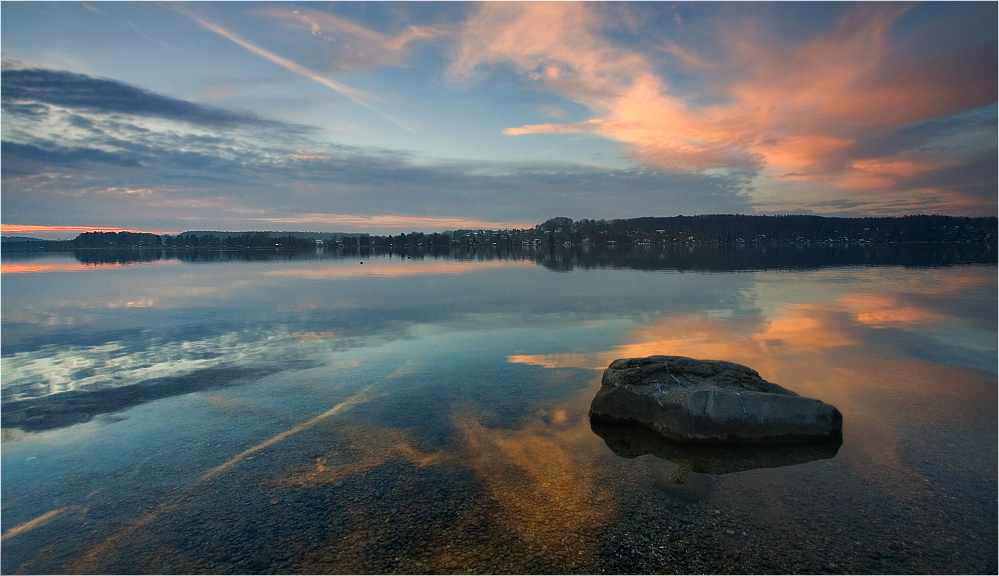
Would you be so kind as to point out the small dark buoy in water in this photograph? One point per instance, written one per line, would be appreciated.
(362, 263)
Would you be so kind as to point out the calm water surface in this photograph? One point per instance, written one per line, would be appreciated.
(430, 416)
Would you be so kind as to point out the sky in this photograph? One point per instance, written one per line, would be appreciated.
(394, 117)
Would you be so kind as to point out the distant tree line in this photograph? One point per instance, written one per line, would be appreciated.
(562, 231)
(736, 228)
(247, 241)
(117, 240)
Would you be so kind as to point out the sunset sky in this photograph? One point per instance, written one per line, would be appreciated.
(392, 117)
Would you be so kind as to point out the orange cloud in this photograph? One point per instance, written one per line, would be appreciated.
(554, 42)
(30, 228)
(798, 112)
(588, 126)
(400, 221)
(559, 45)
(851, 76)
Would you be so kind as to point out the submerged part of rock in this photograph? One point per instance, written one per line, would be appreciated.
(709, 401)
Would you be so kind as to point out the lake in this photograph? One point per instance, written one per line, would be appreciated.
(420, 413)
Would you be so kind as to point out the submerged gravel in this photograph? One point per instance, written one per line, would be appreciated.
(397, 518)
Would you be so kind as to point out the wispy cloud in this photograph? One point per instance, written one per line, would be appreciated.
(351, 45)
(90, 7)
(357, 96)
(148, 37)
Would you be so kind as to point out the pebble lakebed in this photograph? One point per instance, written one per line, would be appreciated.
(394, 519)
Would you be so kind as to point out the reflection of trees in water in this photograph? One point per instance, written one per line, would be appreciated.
(693, 257)
(100, 256)
(138, 256)
(212, 256)
(740, 257)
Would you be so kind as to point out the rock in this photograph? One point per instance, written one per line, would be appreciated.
(709, 401)
(682, 483)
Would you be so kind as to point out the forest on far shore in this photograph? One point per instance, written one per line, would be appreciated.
(563, 231)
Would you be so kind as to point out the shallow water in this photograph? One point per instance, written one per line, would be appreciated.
(426, 415)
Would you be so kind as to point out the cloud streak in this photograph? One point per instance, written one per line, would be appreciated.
(357, 96)
(351, 46)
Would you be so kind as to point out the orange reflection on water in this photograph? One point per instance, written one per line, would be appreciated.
(400, 268)
(561, 360)
(881, 311)
(36, 267)
(65, 267)
(32, 524)
(368, 447)
(798, 328)
(545, 477)
(801, 328)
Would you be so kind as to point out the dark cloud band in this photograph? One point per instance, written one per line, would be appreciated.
(29, 89)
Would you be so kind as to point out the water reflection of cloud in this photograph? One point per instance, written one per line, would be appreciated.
(560, 360)
(881, 311)
(391, 269)
(307, 336)
(32, 524)
(366, 447)
(52, 370)
(36, 268)
(545, 476)
(799, 328)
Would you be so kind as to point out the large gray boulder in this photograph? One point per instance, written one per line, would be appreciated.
(709, 401)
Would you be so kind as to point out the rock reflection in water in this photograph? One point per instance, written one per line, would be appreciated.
(687, 474)
(634, 441)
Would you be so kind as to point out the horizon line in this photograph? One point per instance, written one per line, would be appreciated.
(20, 229)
